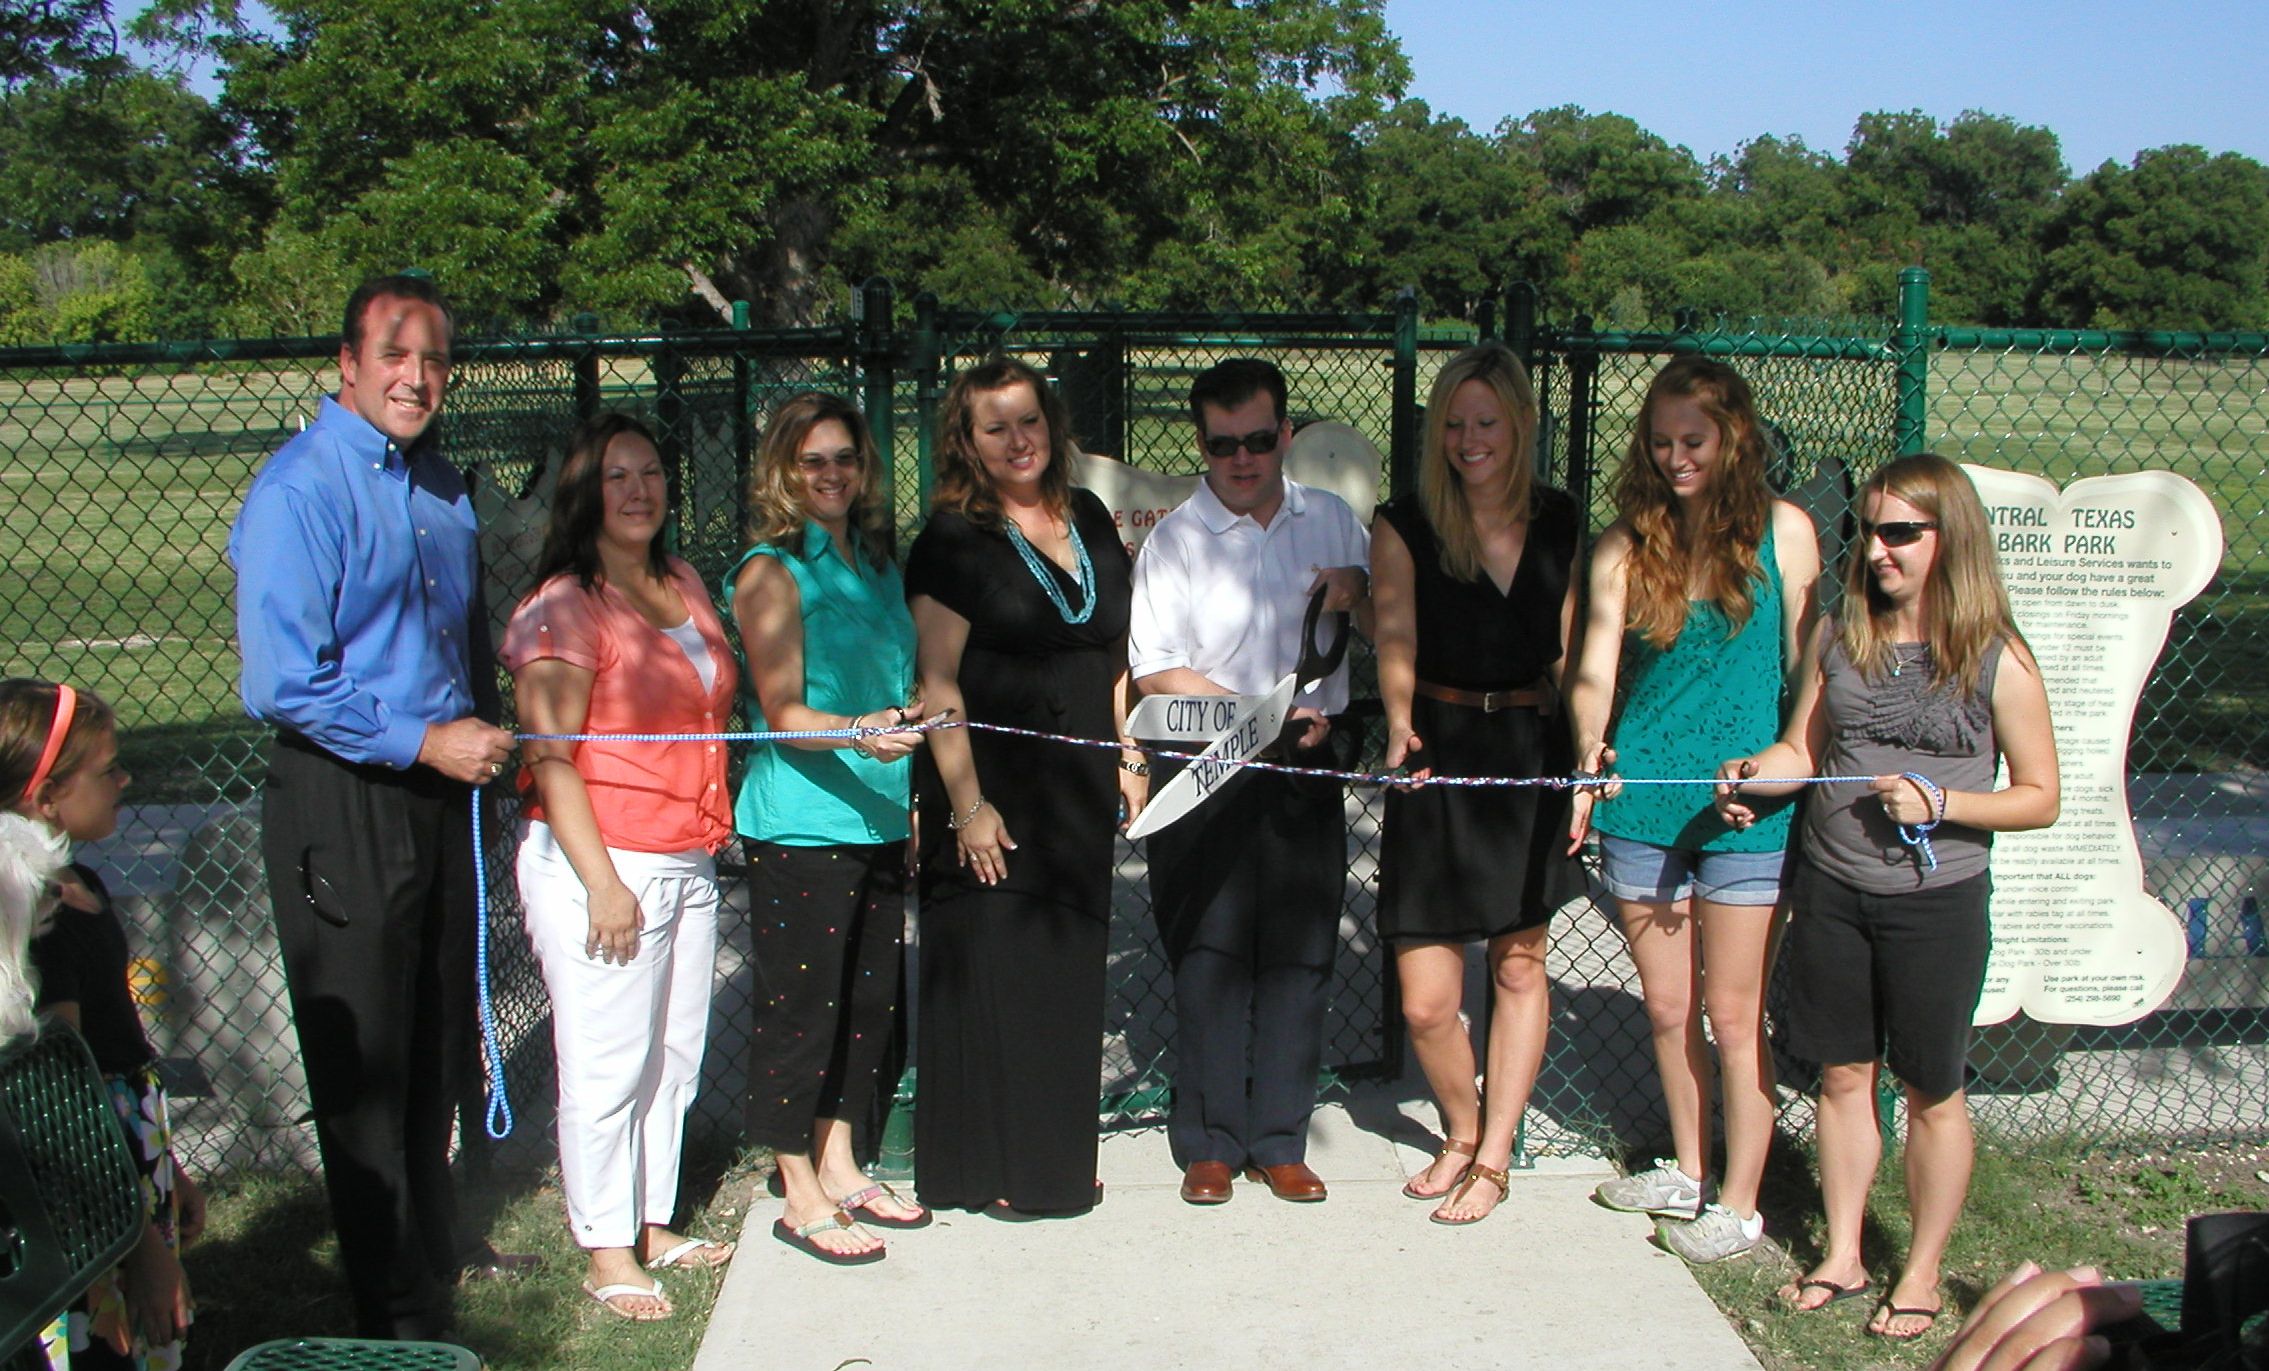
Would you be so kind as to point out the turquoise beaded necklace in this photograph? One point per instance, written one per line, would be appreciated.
(1033, 562)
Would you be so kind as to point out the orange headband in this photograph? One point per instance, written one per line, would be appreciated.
(66, 705)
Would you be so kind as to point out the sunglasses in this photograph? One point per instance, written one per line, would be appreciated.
(1898, 534)
(820, 461)
(1260, 440)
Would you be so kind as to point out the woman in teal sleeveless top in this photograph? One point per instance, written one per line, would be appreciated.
(823, 619)
(1701, 589)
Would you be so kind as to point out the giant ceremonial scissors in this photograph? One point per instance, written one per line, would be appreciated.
(1234, 728)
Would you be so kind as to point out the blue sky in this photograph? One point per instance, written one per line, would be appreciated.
(2108, 79)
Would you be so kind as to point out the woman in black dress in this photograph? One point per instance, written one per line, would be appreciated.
(1475, 602)
(1020, 589)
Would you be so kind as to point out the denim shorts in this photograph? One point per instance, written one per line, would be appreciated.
(1649, 874)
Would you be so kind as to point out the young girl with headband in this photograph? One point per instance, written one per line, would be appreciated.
(1925, 684)
(1702, 588)
(59, 768)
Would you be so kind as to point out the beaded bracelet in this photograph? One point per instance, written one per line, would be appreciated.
(957, 824)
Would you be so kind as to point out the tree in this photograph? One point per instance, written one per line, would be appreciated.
(135, 158)
(771, 149)
(1602, 169)
(47, 39)
(2175, 240)
(1445, 210)
(136, 155)
(78, 293)
(1967, 201)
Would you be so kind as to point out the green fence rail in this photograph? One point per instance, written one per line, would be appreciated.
(125, 464)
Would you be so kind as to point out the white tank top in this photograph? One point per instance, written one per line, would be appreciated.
(696, 649)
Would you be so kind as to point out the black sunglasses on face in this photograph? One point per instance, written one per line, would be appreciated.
(1260, 440)
(1898, 534)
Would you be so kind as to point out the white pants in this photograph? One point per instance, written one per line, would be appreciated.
(629, 1038)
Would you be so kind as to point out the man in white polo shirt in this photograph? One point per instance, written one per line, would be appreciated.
(1247, 887)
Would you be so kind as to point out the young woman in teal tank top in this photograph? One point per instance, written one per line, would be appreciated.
(1703, 586)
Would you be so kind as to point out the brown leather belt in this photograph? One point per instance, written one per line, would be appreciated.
(1539, 696)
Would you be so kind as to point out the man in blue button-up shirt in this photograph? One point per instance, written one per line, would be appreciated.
(365, 646)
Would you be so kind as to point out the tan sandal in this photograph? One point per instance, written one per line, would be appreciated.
(1451, 1147)
(1475, 1171)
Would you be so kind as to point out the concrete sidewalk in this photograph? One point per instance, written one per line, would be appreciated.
(1148, 1283)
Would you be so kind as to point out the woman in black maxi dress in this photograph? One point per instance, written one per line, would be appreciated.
(1013, 931)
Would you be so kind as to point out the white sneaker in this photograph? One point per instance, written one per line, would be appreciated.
(1713, 1237)
(1664, 1190)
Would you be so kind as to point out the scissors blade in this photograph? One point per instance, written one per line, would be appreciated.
(1257, 722)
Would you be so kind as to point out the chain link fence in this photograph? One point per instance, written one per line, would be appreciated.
(126, 465)
(2068, 404)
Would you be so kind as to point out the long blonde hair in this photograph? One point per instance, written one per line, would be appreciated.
(1966, 606)
(776, 513)
(1440, 490)
(1722, 539)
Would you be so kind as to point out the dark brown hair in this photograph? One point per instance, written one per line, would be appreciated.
(402, 285)
(579, 506)
(27, 711)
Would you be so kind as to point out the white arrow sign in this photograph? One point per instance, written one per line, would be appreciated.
(1185, 718)
(1253, 725)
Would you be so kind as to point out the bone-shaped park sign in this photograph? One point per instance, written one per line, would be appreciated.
(2095, 572)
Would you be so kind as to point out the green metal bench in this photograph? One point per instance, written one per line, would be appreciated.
(71, 1208)
(349, 1354)
(70, 1196)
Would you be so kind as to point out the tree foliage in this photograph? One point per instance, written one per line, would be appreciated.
(654, 160)
(2173, 240)
(41, 39)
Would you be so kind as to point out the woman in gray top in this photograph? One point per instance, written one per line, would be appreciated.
(1924, 684)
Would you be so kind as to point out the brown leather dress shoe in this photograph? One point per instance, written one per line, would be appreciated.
(1291, 1181)
(1207, 1183)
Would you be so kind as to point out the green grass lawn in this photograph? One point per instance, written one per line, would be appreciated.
(266, 1224)
(2121, 1211)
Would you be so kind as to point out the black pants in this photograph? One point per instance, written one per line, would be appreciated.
(370, 874)
(1246, 890)
(826, 925)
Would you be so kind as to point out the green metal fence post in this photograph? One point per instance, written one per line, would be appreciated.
(1912, 345)
(586, 369)
(1520, 323)
(875, 378)
(925, 364)
(1402, 448)
(1583, 383)
(745, 419)
(669, 414)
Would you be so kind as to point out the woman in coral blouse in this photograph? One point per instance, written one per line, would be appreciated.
(617, 870)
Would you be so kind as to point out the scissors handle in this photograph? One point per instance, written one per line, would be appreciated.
(1314, 665)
